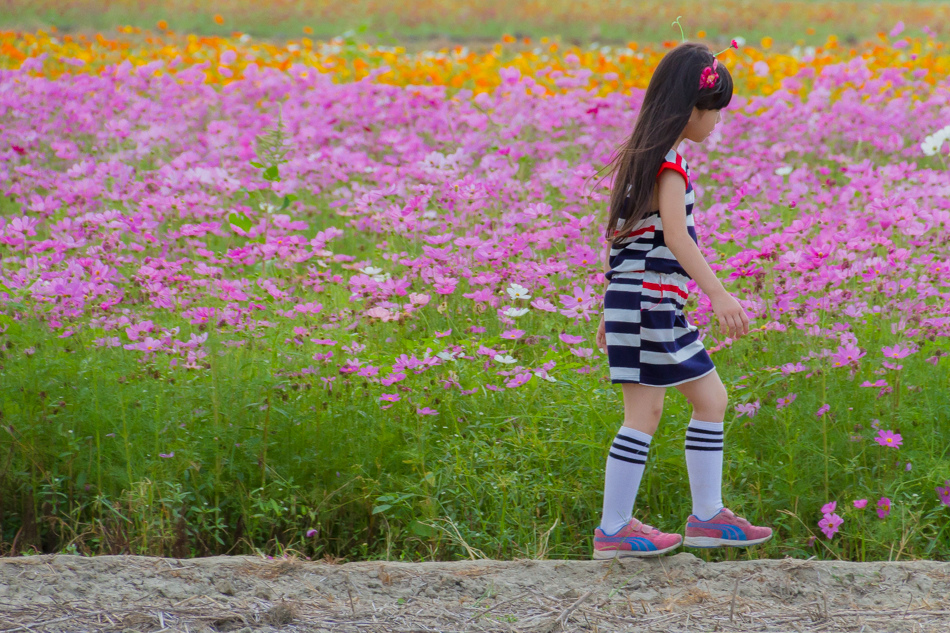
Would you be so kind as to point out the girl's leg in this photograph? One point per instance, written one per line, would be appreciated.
(626, 459)
(704, 441)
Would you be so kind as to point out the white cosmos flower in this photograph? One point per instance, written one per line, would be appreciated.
(932, 144)
(517, 291)
(514, 313)
(784, 170)
(929, 147)
(446, 355)
(371, 270)
(504, 358)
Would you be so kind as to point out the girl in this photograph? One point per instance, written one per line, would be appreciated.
(652, 253)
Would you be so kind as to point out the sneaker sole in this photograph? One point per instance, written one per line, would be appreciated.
(623, 553)
(711, 541)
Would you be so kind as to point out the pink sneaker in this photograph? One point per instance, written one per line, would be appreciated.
(724, 529)
(634, 539)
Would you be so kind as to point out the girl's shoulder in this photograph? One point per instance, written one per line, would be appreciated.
(677, 163)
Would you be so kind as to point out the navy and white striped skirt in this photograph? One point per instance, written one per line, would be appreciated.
(649, 340)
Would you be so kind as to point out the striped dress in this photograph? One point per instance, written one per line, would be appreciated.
(649, 339)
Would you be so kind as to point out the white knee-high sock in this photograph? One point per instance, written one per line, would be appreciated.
(626, 461)
(704, 465)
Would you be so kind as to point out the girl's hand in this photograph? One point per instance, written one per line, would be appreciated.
(733, 320)
(602, 335)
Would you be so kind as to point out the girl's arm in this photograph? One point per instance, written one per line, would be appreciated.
(673, 216)
(606, 265)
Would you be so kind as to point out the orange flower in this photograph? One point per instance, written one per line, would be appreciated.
(162, 25)
(218, 19)
(308, 30)
(700, 33)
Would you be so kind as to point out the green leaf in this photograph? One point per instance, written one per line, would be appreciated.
(381, 508)
(287, 200)
(270, 174)
(241, 221)
(257, 164)
(420, 529)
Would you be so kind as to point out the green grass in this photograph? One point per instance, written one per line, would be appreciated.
(260, 458)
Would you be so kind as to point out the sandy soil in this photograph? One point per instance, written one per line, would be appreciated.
(672, 593)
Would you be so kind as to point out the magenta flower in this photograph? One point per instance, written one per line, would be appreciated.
(823, 410)
(830, 524)
(426, 411)
(888, 438)
(749, 409)
(787, 400)
(828, 508)
(860, 503)
(944, 493)
(570, 339)
(311, 532)
(883, 507)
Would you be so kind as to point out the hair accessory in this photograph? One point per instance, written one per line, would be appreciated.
(709, 77)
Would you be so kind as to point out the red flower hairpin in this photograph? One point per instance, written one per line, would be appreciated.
(709, 77)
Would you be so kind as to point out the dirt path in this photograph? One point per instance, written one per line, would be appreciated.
(673, 593)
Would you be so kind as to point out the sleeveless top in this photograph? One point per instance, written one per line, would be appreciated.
(644, 249)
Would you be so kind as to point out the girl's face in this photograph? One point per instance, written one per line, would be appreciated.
(701, 124)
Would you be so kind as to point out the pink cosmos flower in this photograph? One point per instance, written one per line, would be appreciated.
(512, 334)
(748, 409)
(570, 339)
(944, 493)
(787, 400)
(888, 438)
(390, 397)
(830, 524)
(544, 305)
(426, 411)
(823, 410)
(860, 503)
(829, 507)
(518, 380)
(883, 507)
(392, 378)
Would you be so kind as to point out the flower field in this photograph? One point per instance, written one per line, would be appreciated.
(340, 299)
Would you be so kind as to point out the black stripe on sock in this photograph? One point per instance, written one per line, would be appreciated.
(627, 459)
(703, 448)
(628, 449)
(703, 439)
(696, 430)
(632, 440)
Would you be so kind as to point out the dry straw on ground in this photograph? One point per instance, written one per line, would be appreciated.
(675, 593)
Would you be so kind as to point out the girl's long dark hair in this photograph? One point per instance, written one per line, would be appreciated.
(667, 105)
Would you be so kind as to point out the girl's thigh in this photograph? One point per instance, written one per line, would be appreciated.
(642, 402)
